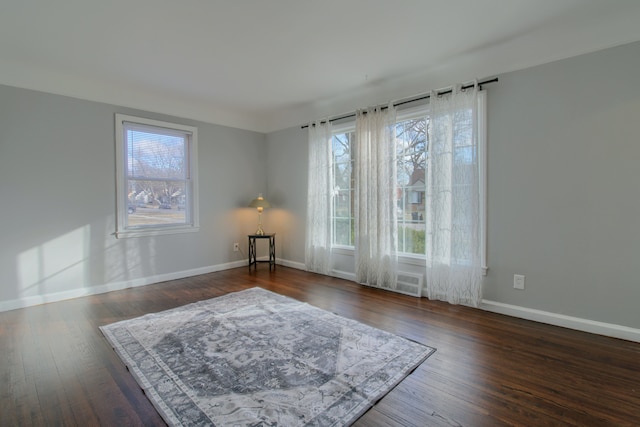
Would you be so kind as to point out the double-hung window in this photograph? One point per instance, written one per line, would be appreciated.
(156, 177)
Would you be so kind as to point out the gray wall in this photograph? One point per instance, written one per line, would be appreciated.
(563, 191)
(57, 187)
(287, 157)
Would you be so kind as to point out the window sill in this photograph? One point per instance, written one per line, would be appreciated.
(403, 258)
(420, 260)
(409, 259)
(343, 250)
(125, 234)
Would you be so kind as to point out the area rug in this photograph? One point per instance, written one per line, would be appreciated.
(256, 358)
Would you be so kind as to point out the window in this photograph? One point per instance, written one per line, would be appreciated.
(411, 152)
(343, 187)
(411, 135)
(156, 177)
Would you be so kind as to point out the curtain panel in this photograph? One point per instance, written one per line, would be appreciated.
(319, 200)
(375, 201)
(453, 239)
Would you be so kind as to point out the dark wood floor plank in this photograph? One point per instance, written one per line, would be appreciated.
(489, 369)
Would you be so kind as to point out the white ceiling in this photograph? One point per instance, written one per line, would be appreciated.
(266, 65)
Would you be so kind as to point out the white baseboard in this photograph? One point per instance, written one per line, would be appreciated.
(585, 325)
(334, 273)
(577, 323)
(344, 275)
(292, 264)
(114, 286)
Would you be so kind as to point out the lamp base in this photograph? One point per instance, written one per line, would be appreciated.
(259, 231)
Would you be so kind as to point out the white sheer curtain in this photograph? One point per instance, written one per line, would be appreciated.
(375, 183)
(454, 270)
(319, 200)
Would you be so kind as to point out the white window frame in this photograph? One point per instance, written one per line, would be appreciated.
(192, 222)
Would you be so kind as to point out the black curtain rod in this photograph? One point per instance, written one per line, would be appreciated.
(411, 100)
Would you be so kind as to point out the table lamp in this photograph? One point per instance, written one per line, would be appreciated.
(260, 203)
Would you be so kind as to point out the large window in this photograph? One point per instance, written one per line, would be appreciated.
(343, 210)
(411, 151)
(156, 177)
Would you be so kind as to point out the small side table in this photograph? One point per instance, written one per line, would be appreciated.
(252, 250)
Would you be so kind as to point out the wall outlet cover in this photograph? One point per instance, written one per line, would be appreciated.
(518, 281)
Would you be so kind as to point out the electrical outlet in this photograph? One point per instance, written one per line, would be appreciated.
(518, 281)
(236, 247)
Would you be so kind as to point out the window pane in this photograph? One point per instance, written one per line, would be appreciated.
(342, 204)
(342, 175)
(411, 145)
(341, 147)
(411, 239)
(152, 203)
(152, 155)
(343, 230)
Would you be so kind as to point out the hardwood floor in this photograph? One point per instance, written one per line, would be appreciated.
(57, 369)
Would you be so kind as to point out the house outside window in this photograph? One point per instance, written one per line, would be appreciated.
(156, 177)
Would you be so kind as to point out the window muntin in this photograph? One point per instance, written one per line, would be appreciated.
(157, 185)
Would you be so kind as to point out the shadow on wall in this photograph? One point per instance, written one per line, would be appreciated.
(79, 262)
(55, 264)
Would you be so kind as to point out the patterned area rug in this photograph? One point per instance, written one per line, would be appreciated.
(256, 358)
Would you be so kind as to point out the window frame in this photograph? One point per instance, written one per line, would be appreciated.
(191, 224)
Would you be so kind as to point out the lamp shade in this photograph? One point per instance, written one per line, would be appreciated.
(259, 202)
